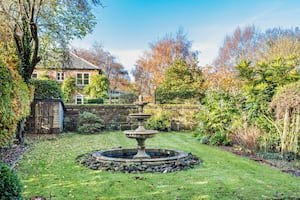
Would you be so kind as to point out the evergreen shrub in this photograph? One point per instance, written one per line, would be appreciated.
(89, 123)
(160, 122)
(10, 185)
(15, 99)
(217, 118)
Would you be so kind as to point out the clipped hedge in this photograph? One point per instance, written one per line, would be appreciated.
(95, 101)
(46, 89)
(15, 98)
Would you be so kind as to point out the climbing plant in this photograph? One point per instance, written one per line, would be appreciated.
(98, 86)
(68, 89)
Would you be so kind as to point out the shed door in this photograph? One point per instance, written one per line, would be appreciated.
(44, 117)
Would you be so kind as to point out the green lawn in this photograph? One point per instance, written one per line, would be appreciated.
(49, 169)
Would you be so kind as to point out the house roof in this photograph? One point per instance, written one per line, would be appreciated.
(74, 62)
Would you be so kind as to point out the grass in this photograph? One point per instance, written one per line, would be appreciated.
(50, 170)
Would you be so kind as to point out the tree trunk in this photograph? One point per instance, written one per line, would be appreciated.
(297, 129)
(20, 131)
(286, 124)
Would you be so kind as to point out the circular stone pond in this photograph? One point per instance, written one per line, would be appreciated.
(122, 160)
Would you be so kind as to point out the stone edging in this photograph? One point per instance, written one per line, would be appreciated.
(190, 161)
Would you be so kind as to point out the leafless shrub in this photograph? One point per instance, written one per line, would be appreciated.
(247, 137)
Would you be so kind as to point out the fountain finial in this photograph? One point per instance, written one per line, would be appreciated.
(140, 103)
(140, 99)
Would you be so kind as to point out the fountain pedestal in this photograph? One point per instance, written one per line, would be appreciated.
(140, 136)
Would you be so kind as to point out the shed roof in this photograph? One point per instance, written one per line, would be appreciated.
(51, 100)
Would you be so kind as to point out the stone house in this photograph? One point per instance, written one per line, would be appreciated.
(78, 68)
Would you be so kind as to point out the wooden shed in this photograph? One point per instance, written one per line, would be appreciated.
(46, 116)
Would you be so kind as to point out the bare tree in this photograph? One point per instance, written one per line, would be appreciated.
(242, 45)
(249, 44)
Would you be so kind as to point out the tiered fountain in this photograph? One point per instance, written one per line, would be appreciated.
(139, 160)
(140, 134)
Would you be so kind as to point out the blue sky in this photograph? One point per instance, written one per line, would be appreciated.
(127, 27)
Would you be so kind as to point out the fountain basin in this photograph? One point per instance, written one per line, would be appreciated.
(141, 159)
(126, 155)
(122, 160)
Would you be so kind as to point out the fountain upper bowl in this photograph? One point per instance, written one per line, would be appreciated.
(141, 116)
(140, 134)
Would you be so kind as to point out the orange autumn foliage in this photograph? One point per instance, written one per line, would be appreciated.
(222, 78)
(151, 66)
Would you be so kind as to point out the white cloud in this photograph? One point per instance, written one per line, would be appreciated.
(126, 57)
(208, 52)
(81, 43)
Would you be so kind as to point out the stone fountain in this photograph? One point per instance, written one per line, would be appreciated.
(142, 159)
(140, 134)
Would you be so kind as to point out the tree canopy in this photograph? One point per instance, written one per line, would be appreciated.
(55, 21)
(250, 44)
(182, 82)
(150, 68)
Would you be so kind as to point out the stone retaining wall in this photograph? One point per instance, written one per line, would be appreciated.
(116, 116)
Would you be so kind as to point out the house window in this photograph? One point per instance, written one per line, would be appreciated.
(34, 76)
(79, 99)
(60, 76)
(82, 79)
